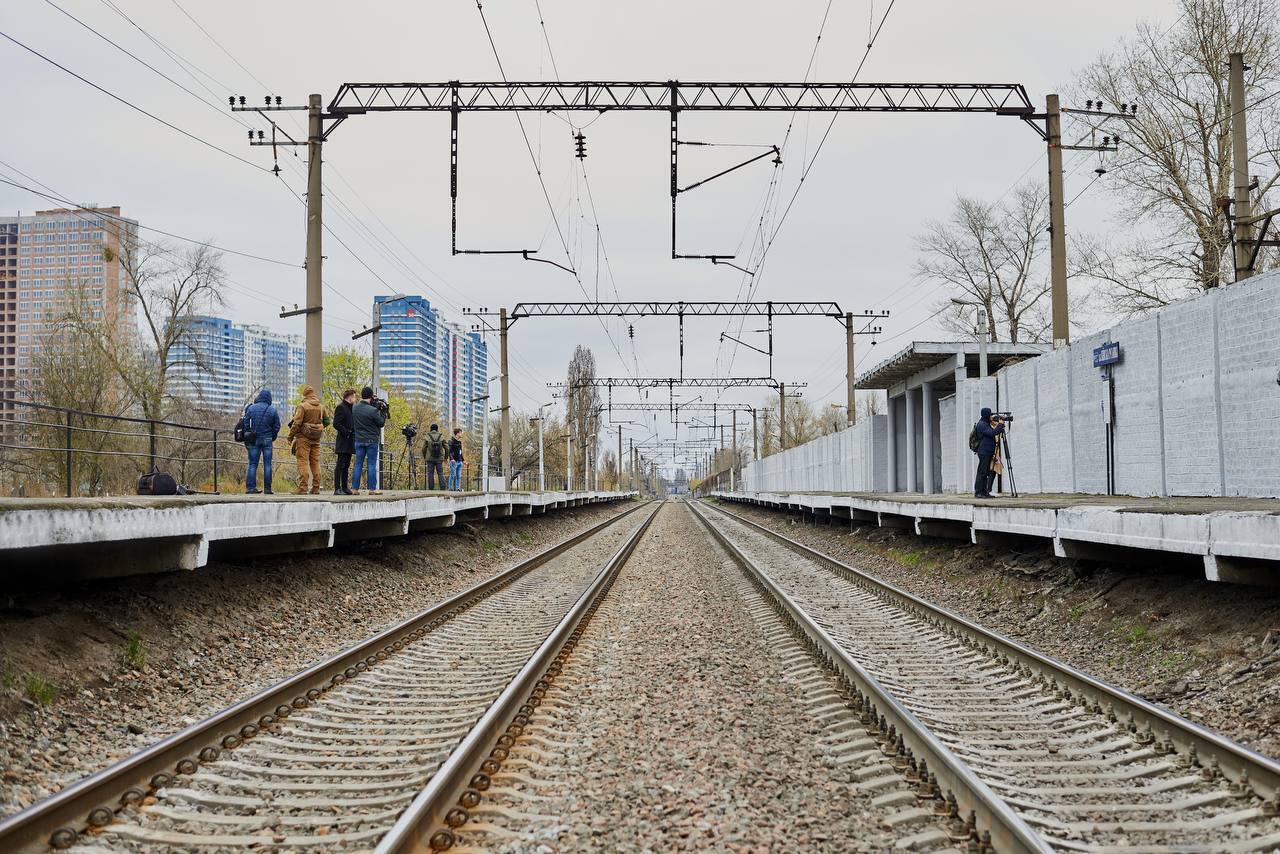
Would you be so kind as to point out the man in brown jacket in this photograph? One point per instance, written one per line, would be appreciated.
(305, 429)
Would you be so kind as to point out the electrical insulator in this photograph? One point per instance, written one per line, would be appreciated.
(242, 100)
(278, 100)
(631, 331)
(1088, 105)
(261, 134)
(267, 100)
(231, 100)
(580, 141)
(251, 136)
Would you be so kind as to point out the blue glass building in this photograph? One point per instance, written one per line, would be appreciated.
(220, 366)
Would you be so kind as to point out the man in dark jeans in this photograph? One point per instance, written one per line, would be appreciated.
(263, 419)
(435, 448)
(344, 445)
(987, 429)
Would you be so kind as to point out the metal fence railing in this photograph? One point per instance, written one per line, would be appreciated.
(51, 450)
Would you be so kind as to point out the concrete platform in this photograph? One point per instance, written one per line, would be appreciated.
(1236, 539)
(74, 538)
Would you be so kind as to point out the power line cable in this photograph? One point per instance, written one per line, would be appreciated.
(132, 105)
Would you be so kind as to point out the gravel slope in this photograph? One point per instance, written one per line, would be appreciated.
(686, 719)
(97, 672)
(1208, 651)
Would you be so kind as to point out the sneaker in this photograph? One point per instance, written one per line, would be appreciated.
(315, 490)
(299, 491)
(375, 492)
(252, 491)
(268, 491)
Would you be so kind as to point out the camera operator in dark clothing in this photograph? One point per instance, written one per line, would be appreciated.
(988, 429)
(345, 443)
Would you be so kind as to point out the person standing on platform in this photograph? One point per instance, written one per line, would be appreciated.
(368, 417)
(983, 442)
(455, 460)
(262, 419)
(306, 427)
(344, 444)
(434, 450)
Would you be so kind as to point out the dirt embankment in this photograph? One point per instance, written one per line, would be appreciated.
(99, 670)
(1208, 651)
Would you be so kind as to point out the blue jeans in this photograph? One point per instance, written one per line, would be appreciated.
(366, 458)
(455, 474)
(262, 448)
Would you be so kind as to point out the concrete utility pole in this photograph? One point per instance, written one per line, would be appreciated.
(315, 257)
(568, 458)
(1243, 211)
(848, 367)
(782, 416)
(618, 485)
(984, 334)
(755, 435)
(506, 400)
(1057, 224)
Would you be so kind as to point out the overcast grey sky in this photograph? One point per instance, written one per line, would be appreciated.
(848, 237)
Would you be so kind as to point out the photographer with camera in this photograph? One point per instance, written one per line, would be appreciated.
(982, 441)
(368, 417)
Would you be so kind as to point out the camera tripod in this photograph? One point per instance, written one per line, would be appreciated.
(1006, 456)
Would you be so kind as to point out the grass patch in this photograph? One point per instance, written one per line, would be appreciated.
(1077, 611)
(8, 678)
(134, 655)
(526, 537)
(1135, 634)
(489, 546)
(907, 558)
(40, 689)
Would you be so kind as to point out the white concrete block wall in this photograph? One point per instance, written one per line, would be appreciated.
(947, 416)
(1193, 460)
(1053, 426)
(1139, 451)
(1017, 385)
(1249, 381)
(1197, 412)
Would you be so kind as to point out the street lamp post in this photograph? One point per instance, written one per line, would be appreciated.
(983, 333)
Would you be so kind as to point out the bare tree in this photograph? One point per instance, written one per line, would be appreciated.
(582, 407)
(990, 254)
(1175, 163)
(167, 287)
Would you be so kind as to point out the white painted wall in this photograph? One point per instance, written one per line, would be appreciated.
(1197, 412)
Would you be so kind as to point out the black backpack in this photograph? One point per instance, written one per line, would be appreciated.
(157, 483)
(974, 439)
(244, 433)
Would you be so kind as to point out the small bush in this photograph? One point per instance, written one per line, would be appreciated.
(134, 655)
(40, 689)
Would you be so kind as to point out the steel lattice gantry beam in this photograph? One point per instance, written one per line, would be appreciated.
(602, 96)
(672, 97)
(676, 309)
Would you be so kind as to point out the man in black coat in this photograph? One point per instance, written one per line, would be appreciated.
(987, 429)
(345, 444)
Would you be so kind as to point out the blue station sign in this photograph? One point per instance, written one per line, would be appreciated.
(1107, 354)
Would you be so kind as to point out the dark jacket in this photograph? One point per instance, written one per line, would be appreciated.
(368, 420)
(345, 427)
(262, 417)
(434, 436)
(455, 450)
(987, 437)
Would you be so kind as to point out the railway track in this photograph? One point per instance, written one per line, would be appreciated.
(1037, 754)
(361, 750)
(965, 739)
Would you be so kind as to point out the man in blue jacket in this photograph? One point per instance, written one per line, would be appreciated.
(987, 430)
(264, 421)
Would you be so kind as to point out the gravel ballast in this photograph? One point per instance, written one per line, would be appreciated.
(98, 671)
(1207, 651)
(687, 718)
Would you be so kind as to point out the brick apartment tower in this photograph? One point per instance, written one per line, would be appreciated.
(45, 259)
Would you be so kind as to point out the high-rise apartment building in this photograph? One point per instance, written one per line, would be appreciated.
(422, 355)
(52, 262)
(220, 366)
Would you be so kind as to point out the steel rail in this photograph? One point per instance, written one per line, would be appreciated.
(421, 826)
(1189, 738)
(57, 820)
(993, 815)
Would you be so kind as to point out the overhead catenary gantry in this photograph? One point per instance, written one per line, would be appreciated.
(672, 97)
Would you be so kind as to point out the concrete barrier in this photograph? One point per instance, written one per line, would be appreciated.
(99, 538)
